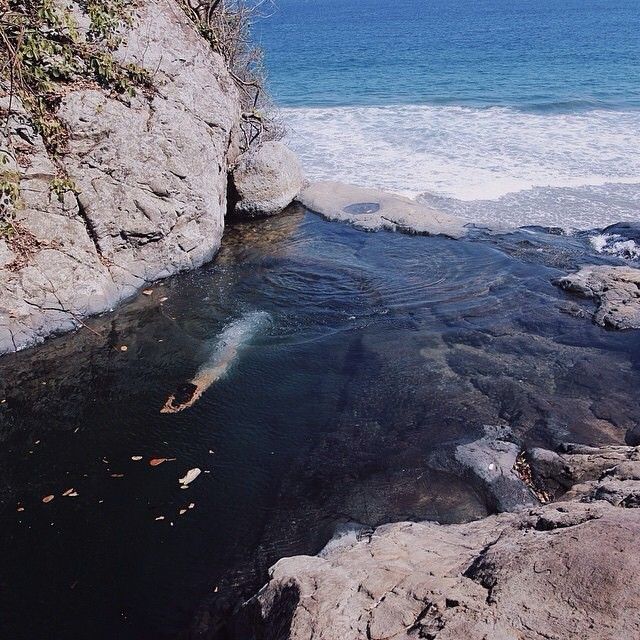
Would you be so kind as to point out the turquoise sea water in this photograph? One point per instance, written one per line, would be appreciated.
(528, 112)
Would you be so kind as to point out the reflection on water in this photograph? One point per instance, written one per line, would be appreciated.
(381, 352)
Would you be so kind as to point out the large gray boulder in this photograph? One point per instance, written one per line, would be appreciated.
(565, 570)
(266, 180)
(150, 176)
(615, 289)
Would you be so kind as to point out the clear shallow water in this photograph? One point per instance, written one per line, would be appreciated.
(525, 112)
(381, 353)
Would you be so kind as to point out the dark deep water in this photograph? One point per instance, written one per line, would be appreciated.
(381, 351)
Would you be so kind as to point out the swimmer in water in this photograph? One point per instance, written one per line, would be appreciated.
(233, 338)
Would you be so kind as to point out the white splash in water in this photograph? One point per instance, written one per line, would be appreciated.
(615, 245)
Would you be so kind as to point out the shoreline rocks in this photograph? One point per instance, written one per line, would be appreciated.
(561, 570)
(373, 210)
(265, 181)
(615, 289)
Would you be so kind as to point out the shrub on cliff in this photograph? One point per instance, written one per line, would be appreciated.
(227, 26)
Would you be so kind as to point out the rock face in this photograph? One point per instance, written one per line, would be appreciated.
(492, 461)
(616, 289)
(266, 180)
(373, 210)
(151, 177)
(565, 570)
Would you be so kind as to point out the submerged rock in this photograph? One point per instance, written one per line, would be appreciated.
(266, 180)
(372, 210)
(565, 570)
(616, 289)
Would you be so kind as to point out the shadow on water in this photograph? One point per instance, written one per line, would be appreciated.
(382, 351)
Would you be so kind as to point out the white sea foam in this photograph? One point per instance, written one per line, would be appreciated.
(615, 245)
(564, 169)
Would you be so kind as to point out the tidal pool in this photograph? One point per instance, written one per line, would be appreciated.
(380, 352)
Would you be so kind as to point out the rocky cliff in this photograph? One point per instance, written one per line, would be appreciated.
(143, 192)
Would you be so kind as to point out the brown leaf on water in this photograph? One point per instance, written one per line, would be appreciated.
(183, 511)
(147, 292)
(136, 458)
(48, 499)
(154, 462)
(20, 509)
(68, 492)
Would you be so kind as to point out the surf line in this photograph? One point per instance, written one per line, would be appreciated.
(234, 336)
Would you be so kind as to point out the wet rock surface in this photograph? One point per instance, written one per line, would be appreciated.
(372, 210)
(615, 289)
(266, 181)
(492, 461)
(565, 569)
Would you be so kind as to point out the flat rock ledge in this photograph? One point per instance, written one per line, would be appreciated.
(374, 210)
(565, 570)
(616, 290)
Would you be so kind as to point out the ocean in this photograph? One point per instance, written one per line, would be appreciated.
(521, 112)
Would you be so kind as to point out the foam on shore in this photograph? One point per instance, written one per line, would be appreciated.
(573, 170)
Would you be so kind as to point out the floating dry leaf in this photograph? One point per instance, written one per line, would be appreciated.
(73, 494)
(47, 499)
(124, 348)
(191, 505)
(160, 518)
(190, 476)
(147, 292)
(164, 299)
(68, 492)
(136, 458)
(183, 511)
(20, 508)
(154, 462)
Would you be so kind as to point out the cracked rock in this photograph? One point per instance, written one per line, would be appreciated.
(151, 175)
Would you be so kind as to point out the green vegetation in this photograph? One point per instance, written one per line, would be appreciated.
(61, 185)
(9, 195)
(43, 53)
